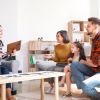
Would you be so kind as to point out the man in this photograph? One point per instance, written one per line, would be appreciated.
(3, 67)
(91, 67)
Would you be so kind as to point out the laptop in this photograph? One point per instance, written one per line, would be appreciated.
(15, 45)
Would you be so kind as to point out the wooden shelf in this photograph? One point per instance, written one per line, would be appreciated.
(77, 31)
(39, 51)
(38, 48)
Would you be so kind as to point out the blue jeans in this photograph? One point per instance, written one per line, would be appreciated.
(93, 81)
(79, 71)
(90, 85)
(4, 70)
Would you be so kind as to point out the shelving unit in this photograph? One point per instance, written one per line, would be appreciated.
(77, 31)
(39, 48)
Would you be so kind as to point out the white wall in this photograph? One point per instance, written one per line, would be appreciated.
(99, 8)
(44, 18)
(94, 8)
(8, 19)
(30, 19)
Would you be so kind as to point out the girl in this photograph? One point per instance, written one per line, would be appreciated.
(77, 55)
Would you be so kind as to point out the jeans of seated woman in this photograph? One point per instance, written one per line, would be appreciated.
(44, 65)
(58, 68)
(79, 71)
(4, 70)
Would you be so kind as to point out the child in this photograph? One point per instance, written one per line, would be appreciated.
(77, 55)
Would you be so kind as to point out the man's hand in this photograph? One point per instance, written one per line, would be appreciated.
(88, 63)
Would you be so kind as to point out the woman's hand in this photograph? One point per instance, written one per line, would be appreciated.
(48, 56)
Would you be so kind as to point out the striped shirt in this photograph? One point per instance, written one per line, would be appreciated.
(1, 47)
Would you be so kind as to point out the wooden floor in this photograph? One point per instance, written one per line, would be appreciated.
(31, 91)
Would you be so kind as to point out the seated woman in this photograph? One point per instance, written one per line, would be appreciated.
(62, 52)
(77, 55)
(3, 67)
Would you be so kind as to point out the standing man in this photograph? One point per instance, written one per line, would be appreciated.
(89, 68)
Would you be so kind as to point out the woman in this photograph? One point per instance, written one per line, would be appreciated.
(3, 67)
(62, 52)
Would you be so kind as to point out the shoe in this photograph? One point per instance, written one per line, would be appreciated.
(61, 85)
(50, 90)
(66, 95)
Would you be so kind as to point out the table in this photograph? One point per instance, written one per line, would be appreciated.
(10, 78)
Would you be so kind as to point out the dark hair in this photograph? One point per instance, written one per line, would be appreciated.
(63, 33)
(1, 43)
(94, 20)
(82, 53)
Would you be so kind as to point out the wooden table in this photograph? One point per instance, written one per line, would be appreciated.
(30, 76)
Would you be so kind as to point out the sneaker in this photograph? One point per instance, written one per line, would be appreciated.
(66, 95)
(50, 90)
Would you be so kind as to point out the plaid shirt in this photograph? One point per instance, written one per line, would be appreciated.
(95, 52)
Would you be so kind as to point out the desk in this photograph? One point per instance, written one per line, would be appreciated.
(10, 78)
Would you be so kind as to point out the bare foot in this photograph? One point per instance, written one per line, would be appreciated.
(11, 98)
(67, 94)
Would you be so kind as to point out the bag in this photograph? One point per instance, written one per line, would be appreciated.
(32, 59)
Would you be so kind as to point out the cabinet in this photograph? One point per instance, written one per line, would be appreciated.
(77, 31)
(39, 48)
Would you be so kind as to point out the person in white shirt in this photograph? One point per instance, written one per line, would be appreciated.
(3, 67)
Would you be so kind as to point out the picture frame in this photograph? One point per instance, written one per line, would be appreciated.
(76, 27)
